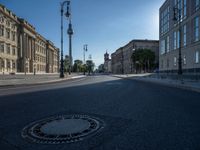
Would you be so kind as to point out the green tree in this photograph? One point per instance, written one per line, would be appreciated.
(90, 66)
(143, 60)
(78, 65)
(66, 63)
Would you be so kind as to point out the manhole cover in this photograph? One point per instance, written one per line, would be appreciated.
(62, 129)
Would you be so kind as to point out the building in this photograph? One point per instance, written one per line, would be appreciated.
(121, 59)
(8, 40)
(22, 49)
(52, 58)
(26, 49)
(107, 63)
(40, 54)
(117, 61)
(180, 32)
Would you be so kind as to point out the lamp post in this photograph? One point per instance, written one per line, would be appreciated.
(177, 17)
(84, 50)
(70, 33)
(61, 55)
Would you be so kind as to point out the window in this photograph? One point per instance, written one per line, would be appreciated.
(2, 63)
(162, 49)
(197, 57)
(1, 30)
(165, 21)
(184, 35)
(13, 51)
(197, 2)
(175, 61)
(196, 28)
(1, 19)
(182, 6)
(8, 23)
(13, 36)
(8, 33)
(1, 47)
(175, 40)
(167, 44)
(184, 59)
(8, 49)
(8, 64)
(13, 64)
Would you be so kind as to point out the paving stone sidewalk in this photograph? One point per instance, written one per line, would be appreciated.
(193, 85)
(21, 79)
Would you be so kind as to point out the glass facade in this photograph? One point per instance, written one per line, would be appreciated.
(165, 21)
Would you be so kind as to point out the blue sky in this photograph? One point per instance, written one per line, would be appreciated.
(102, 24)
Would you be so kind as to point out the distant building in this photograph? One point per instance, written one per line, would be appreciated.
(22, 49)
(107, 63)
(117, 61)
(121, 58)
(170, 36)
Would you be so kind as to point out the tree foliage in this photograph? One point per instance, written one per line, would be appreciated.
(143, 60)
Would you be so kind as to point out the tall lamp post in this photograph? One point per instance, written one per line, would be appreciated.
(84, 50)
(61, 55)
(177, 17)
(70, 33)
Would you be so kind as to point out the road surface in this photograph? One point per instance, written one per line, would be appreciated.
(136, 115)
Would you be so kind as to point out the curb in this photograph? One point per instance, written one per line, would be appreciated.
(40, 83)
(185, 87)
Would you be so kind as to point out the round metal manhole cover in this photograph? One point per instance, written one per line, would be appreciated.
(62, 129)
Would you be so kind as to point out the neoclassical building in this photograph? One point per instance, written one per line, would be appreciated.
(8, 40)
(41, 54)
(22, 49)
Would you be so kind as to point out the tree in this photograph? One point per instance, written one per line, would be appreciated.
(143, 60)
(78, 65)
(101, 68)
(66, 63)
(90, 66)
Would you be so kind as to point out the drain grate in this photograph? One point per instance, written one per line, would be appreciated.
(62, 129)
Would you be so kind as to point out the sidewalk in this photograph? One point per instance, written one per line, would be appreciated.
(30, 79)
(183, 84)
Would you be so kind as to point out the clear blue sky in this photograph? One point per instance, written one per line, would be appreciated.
(102, 24)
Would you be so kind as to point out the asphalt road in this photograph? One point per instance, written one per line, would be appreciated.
(136, 115)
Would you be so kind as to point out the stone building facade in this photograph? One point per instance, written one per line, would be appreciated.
(121, 59)
(107, 63)
(117, 61)
(52, 58)
(22, 49)
(41, 54)
(8, 40)
(180, 34)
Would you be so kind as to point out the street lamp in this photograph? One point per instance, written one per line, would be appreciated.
(84, 50)
(70, 33)
(177, 17)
